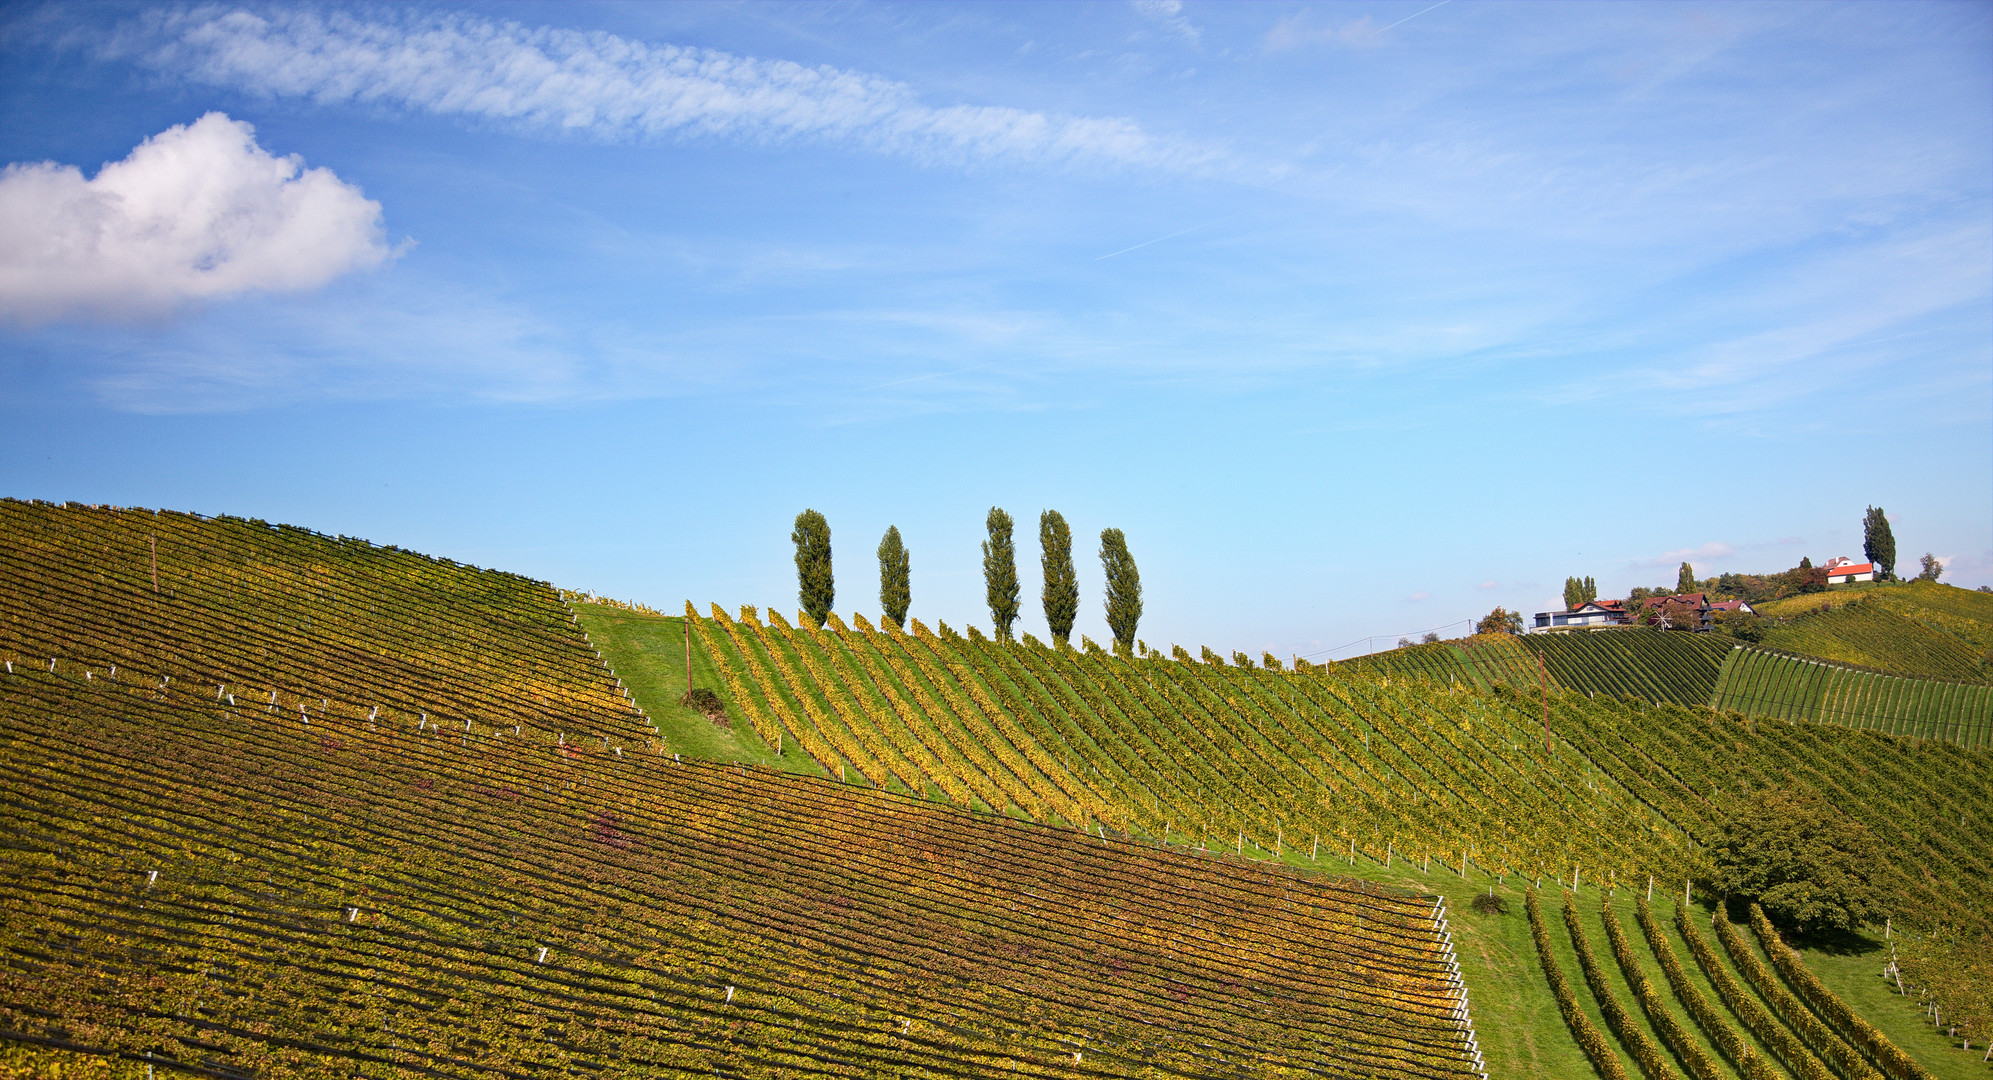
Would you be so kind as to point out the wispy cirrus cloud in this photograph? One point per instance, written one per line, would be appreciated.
(1168, 15)
(609, 87)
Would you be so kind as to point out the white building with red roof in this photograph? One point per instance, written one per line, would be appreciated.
(1843, 571)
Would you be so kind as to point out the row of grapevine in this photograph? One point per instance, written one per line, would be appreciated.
(1481, 660)
(1753, 1028)
(570, 906)
(1658, 665)
(1228, 758)
(1331, 764)
(1759, 682)
(1865, 629)
(252, 610)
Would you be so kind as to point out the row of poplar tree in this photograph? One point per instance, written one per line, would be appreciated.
(816, 587)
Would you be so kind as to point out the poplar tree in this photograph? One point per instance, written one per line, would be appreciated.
(1062, 584)
(1000, 573)
(1574, 593)
(1878, 543)
(1124, 589)
(1685, 579)
(895, 567)
(1591, 590)
(815, 590)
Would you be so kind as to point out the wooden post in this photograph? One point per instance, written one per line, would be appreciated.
(152, 542)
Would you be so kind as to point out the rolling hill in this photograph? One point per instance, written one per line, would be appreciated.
(302, 805)
(316, 808)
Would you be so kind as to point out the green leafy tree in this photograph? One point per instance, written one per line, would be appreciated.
(1000, 572)
(1062, 584)
(1932, 569)
(1741, 625)
(1591, 589)
(1124, 589)
(1574, 593)
(1685, 579)
(1878, 543)
(1500, 621)
(895, 577)
(1810, 866)
(815, 589)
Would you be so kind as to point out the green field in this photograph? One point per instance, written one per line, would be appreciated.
(319, 808)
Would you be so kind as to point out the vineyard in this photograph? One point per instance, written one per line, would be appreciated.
(1920, 629)
(1658, 666)
(286, 804)
(1325, 766)
(1664, 667)
(314, 808)
(1758, 682)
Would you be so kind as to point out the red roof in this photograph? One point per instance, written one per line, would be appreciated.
(1851, 568)
(1728, 605)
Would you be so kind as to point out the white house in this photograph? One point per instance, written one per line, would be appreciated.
(1844, 570)
(1590, 613)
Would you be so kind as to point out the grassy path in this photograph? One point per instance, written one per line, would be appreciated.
(648, 654)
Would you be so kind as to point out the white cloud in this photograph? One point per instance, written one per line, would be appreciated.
(1168, 14)
(609, 87)
(1486, 585)
(198, 211)
(1418, 596)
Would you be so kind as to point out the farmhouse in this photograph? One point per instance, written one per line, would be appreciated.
(1844, 570)
(1743, 606)
(1589, 613)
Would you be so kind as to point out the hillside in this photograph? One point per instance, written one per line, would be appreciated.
(1657, 666)
(1336, 767)
(316, 808)
(1917, 628)
(1783, 686)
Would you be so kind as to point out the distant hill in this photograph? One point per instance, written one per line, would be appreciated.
(1655, 665)
(1917, 628)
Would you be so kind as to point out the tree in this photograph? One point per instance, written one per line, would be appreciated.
(1741, 625)
(895, 571)
(1430, 638)
(1500, 621)
(1591, 589)
(815, 589)
(1574, 593)
(1878, 543)
(1932, 568)
(1000, 572)
(1685, 579)
(1811, 867)
(1124, 589)
(1062, 585)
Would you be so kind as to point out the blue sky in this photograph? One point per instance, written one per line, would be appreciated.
(1357, 318)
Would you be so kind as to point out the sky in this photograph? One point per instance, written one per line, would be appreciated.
(1359, 319)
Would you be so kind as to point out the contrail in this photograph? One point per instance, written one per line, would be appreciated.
(1416, 14)
(1146, 243)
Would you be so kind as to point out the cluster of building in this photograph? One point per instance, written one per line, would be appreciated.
(1683, 606)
